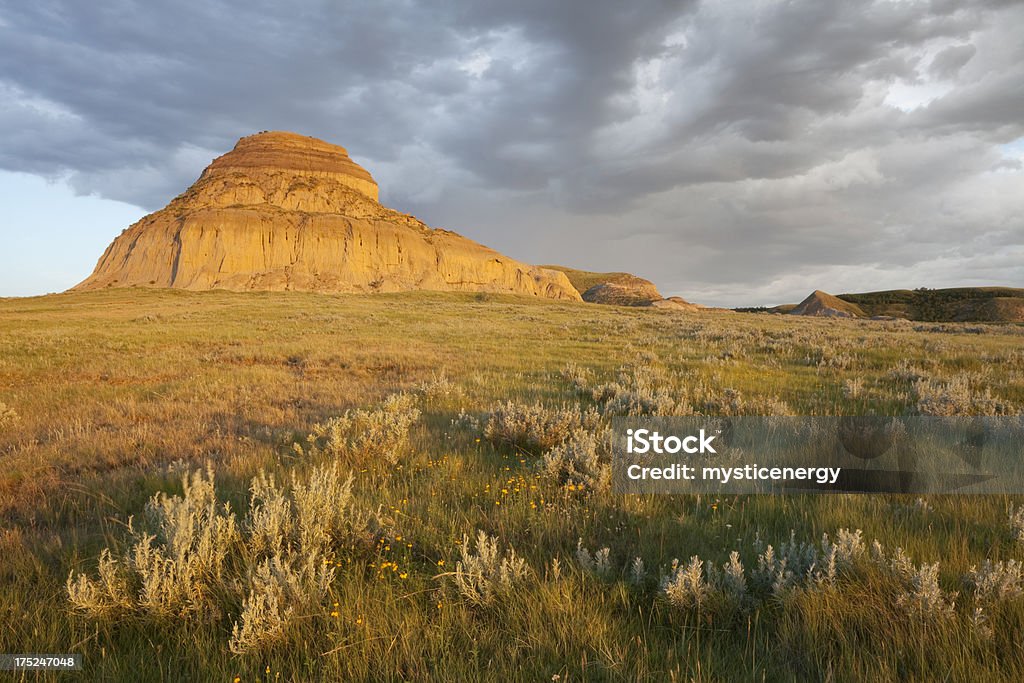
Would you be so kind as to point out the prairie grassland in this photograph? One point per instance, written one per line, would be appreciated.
(175, 502)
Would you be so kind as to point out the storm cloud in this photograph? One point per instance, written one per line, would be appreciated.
(733, 152)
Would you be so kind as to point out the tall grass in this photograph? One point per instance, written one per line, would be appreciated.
(415, 487)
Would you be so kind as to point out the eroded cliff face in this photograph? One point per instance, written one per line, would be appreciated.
(288, 212)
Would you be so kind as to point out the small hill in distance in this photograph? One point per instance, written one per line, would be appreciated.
(825, 305)
(956, 304)
(621, 289)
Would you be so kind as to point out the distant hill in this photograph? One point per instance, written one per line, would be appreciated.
(958, 304)
(822, 304)
(621, 289)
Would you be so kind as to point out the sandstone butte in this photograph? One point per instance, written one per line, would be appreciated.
(283, 211)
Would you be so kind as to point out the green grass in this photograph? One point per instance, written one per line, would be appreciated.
(116, 392)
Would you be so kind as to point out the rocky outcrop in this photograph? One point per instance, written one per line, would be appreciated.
(622, 289)
(299, 154)
(626, 291)
(619, 289)
(677, 303)
(822, 304)
(283, 211)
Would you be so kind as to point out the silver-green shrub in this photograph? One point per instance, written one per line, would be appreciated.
(597, 563)
(536, 427)
(380, 435)
(924, 597)
(175, 567)
(954, 397)
(641, 390)
(194, 559)
(489, 571)
(791, 566)
(686, 586)
(582, 461)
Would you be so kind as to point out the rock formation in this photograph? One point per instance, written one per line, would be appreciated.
(822, 304)
(677, 303)
(283, 211)
(631, 291)
(620, 289)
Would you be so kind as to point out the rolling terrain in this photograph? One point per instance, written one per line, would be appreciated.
(121, 406)
(958, 304)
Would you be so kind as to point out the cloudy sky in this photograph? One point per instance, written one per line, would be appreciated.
(734, 153)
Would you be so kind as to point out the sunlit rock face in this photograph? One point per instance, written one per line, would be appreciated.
(283, 211)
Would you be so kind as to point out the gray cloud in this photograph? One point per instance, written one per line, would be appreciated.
(733, 152)
(947, 64)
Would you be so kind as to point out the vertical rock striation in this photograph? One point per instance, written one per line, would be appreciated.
(283, 211)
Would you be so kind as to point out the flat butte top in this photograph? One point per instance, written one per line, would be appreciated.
(280, 150)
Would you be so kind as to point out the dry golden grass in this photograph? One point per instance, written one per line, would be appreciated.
(110, 397)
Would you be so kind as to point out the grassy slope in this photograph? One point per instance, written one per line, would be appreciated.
(112, 388)
(983, 304)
